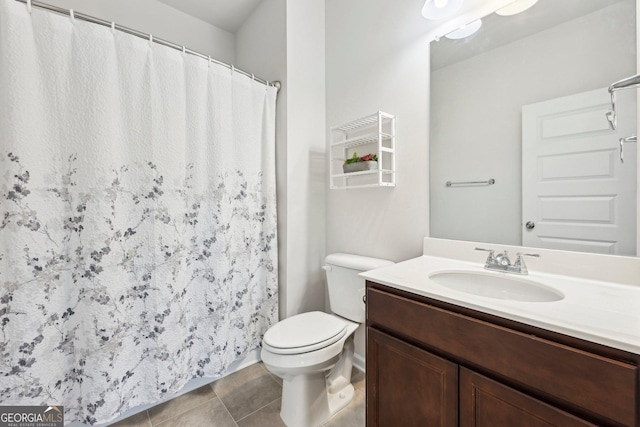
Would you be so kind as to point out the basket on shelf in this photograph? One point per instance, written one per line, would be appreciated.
(359, 164)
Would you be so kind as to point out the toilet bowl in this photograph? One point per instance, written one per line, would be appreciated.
(313, 352)
(316, 376)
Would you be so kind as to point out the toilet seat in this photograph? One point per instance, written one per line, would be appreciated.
(304, 333)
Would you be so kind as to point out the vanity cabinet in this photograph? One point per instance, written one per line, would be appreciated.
(430, 363)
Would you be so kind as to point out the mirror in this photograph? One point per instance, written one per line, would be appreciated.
(522, 102)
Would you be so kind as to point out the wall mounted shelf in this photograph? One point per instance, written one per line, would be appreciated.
(376, 134)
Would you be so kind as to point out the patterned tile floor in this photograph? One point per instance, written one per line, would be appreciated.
(247, 398)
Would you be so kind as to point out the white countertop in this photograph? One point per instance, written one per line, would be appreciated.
(597, 311)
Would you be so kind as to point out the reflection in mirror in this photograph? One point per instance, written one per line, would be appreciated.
(523, 101)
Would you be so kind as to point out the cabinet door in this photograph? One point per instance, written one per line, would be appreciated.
(407, 386)
(487, 403)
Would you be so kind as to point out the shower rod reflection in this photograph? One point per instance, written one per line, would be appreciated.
(456, 184)
(94, 20)
(628, 83)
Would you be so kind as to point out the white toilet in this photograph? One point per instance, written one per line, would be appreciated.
(313, 352)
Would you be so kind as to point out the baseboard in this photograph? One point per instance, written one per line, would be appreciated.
(359, 362)
(249, 359)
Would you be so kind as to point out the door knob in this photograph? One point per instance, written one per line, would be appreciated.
(530, 225)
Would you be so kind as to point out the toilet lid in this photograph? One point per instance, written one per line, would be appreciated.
(304, 332)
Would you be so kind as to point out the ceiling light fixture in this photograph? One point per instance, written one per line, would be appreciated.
(440, 9)
(465, 30)
(516, 7)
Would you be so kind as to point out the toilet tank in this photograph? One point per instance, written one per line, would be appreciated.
(346, 289)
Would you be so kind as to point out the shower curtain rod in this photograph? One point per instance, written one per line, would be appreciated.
(142, 35)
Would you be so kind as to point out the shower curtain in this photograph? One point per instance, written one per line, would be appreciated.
(137, 216)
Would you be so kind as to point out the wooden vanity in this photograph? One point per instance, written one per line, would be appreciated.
(432, 363)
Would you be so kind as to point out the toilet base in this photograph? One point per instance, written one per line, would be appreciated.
(309, 400)
(306, 401)
(338, 401)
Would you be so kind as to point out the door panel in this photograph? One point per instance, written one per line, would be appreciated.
(575, 189)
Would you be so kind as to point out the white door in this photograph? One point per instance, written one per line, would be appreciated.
(576, 194)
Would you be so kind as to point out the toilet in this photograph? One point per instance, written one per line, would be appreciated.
(313, 352)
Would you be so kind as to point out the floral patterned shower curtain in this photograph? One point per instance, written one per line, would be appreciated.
(137, 216)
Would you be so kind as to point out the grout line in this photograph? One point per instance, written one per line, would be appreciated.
(217, 380)
(272, 376)
(259, 409)
(227, 409)
(183, 412)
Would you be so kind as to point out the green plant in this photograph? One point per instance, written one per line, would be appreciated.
(356, 159)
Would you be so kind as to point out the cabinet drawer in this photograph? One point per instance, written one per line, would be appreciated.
(603, 388)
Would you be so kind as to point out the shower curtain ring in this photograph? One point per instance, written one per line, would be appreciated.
(113, 27)
(253, 78)
(150, 39)
(184, 50)
(72, 15)
(29, 6)
(233, 69)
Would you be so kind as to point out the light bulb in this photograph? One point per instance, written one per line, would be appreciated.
(440, 9)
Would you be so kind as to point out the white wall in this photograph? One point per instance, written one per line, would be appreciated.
(476, 133)
(160, 20)
(378, 59)
(306, 179)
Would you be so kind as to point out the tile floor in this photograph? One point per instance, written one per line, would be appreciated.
(247, 398)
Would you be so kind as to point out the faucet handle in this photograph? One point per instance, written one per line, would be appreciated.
(491, 251)
(520, 255)
(520, 262)
(485, 250)
(491, 258)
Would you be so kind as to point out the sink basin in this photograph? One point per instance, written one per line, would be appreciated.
(496, 285)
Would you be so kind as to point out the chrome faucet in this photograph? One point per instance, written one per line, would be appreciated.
(501, 262)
